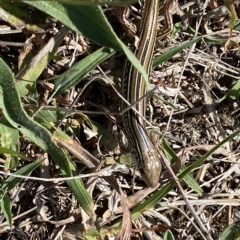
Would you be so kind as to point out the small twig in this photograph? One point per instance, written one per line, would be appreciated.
(203, 231)
(15, 44)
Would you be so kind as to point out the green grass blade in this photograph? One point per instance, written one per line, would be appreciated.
(173, 51)
(13, 153)
(173, 158)
(12, 181)
(6, 209)
(232, 93)
(38, 63)
(168, 235)
(156, 197)
(80, 69)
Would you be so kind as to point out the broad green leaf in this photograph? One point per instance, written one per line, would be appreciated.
(13, 153)
(176, 28)
(168, 235)
(106, 137)
(92, 234)
(17, 15)
(87, 20)
(49, 116)
(13, 111)
(127, 159)
(232, 232)
(91, 22)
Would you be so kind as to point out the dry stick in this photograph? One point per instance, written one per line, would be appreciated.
(84, 155)
(92, 162)
(5, 224)
(185, 198)
(14, 198)
(15, 44)
(179, 209)
(48, 47)
(191, 209)
(102, 173)
(77, 98)
(75, 101)
(53, 94)
(166, 162)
